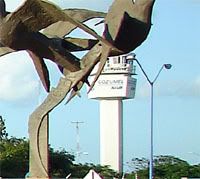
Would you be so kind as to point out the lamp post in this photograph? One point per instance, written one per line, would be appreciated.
(151, 82)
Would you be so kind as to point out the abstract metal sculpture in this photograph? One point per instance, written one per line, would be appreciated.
(127, 25)
(20, 31)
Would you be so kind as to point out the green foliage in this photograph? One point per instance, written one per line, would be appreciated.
(167, 167)
(3, 133)
(61, 163)
(14, 157)
(168, 160)
(14, 154)
(194, 171)
(80, 170)
(105, 171)
(138, 164)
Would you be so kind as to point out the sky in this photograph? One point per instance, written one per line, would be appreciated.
(174, 38)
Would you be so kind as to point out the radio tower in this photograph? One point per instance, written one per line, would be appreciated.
(78, 152)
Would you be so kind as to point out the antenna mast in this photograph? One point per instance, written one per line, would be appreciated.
(77, 123)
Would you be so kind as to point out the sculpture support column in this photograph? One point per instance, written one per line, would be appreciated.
(38, 130)
(38, 120)
(37, 170)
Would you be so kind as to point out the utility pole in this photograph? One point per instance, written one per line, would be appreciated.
(77, 123)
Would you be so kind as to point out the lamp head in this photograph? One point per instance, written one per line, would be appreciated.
(168, 66)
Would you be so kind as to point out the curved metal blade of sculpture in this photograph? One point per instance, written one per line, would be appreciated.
(127, 25)
(20, 31)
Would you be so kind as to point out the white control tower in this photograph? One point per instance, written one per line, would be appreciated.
(115, 84)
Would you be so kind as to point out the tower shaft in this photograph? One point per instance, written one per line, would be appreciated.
(111, 130)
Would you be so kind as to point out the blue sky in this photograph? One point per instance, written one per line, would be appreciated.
(174, 38)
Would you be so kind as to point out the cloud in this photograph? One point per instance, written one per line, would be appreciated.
(17, 78)
(192, 88)
(101, 5)
(183, 88)
(175, 88)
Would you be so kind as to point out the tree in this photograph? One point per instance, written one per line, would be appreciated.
(3, 133)
(14, 154)
(80, 170)
(106, 171)
(165, 166)
(61, 163)
(168, 160)
(14, 157)
(15, 161)
(138, 164)
(194, 171)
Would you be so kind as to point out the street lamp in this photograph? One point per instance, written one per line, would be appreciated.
(166, 66)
